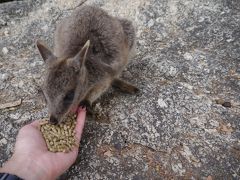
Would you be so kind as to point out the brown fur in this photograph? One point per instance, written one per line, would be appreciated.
(84, 76)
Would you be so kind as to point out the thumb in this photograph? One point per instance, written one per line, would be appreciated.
(35, 124)
(81, 116)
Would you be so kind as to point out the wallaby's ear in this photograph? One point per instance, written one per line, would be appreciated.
(45, 52)
(80, 58)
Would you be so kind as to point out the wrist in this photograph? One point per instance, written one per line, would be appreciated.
(25, 169)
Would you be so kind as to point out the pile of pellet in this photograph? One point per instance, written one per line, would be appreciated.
(61, 137)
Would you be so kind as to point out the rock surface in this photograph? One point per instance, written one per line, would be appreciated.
(187, 57)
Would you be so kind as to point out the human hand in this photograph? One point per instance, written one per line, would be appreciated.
(31, 158)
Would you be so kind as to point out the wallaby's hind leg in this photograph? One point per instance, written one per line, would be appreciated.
(124, 86)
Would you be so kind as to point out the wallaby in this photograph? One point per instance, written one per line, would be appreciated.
(91, 49)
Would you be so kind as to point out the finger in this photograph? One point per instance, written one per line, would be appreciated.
(80, 122)
(80, 109)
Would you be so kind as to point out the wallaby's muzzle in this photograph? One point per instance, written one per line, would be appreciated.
(53, 120)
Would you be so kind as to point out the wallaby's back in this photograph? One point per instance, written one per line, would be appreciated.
(108, 35)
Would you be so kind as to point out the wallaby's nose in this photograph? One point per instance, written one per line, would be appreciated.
(53, 120)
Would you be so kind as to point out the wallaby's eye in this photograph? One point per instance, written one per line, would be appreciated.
(94, 50)
(68, 98)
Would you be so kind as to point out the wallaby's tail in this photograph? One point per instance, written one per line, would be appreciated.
(128, 31)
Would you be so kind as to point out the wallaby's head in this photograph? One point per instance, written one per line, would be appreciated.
(65, 81)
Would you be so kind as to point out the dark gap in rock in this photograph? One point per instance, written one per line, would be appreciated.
(3, 1)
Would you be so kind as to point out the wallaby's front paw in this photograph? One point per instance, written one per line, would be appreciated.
(87, 105)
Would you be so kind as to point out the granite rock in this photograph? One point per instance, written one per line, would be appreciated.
(187, 57)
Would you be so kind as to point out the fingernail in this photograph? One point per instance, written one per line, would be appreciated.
(81, 109)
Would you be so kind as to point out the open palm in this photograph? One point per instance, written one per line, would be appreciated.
(31, 146)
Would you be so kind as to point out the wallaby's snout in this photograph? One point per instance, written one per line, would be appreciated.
(53, 120)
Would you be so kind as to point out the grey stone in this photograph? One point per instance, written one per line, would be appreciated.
(4, 50)
(3, 141)
(15, 116)
(150, 23)
(4, 76)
